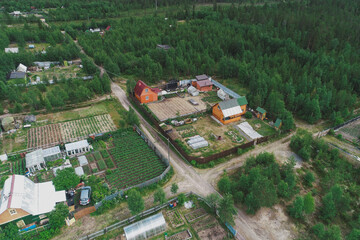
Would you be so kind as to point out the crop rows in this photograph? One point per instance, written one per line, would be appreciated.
(54, 134)
(19, 167)
(136, 162)
(45, 135)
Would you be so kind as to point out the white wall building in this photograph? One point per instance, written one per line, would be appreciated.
(76, 148)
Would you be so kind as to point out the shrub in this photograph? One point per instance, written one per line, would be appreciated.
(248, 115)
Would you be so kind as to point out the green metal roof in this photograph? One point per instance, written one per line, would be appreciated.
(242, 101)
(261, 110)
(277, 123)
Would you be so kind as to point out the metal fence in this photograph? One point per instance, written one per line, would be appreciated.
(225, 89)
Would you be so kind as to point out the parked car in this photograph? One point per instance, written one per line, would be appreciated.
(85, 195)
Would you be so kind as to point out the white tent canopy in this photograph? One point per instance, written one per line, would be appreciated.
(247, 129)
(21, 68)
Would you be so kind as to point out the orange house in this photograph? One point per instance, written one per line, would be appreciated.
(203, 83)
(144, 93)
(230, 110)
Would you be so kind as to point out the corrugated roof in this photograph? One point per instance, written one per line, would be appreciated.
(143, 226)
(228, 104)
(248, 130)
(76, 145)
(204, 83)
(34, 158)
(15, 75)
(242, 101)
(34, 198)
(202, 77)
(261, 110)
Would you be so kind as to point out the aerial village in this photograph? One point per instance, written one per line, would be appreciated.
(134, 120)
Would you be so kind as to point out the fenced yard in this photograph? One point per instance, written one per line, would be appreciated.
(135, 161)
(351, 132)
(175, 107)
(54, 134)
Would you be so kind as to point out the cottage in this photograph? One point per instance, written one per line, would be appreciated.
(260, 113)
(144, 93)
(21, 68)
(12, 50)
(22, 197)
(76, 148)
(278, 123)
(203, 83)
(231, 110)
(35, 161)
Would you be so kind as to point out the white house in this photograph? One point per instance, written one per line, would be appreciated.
(21, 197)
(76, 148)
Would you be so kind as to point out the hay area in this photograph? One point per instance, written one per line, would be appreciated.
(176, 106)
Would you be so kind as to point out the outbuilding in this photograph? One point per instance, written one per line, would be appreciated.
(35, 160)
(12, 50)
(278, 123)
(260, 113)
(203, 83)
(146, 228)
(76, 148)
(52, 154)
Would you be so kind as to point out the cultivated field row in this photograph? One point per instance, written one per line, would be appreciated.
(54, 134)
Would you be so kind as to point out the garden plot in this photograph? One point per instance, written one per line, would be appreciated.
(351, 132)
(175, 218)
(184, 235)
(198, 213)
(176, 107)
(54, 134)
(49, 135)
(86, 126)
(208, 228)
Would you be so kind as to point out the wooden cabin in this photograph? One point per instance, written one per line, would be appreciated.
(229, 111)
(144, 93)
(260, 113)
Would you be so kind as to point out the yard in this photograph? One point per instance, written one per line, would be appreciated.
(351, 132)
(59, 72)
(135, 161)
(174, 107)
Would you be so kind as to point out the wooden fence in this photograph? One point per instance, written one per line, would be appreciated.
(189, 158)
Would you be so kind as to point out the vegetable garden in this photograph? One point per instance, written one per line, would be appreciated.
(136, 162)
(54, 134)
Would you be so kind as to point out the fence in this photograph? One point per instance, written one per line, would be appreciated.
(182, 152)
(128, 220)
(148, 182)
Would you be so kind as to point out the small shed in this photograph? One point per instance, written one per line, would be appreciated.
(261, 113)
(222, 95)
(21, 68)
(172, 85)
(75, 148)
(79, 171)
(52, 154)
(31, 46)
(35, 160)
(30, 118)
(278, 123)
(8, 123)
(193, 91)
(83, 160)
(146, 228)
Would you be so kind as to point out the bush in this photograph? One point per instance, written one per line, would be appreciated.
(339, 136)
(248, 115)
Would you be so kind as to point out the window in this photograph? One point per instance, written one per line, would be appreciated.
(12, 211)
(147, 97)
(146, 90)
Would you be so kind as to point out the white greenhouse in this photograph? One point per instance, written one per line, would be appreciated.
(146, 228)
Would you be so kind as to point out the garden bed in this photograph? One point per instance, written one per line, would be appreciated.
(175, 218)
(198, 213)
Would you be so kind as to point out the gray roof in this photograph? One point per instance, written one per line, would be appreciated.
(34, 158)
(82, 160)
(228, 104)
(51, 151)
(15, 75)
(76, 145)
(201, 77)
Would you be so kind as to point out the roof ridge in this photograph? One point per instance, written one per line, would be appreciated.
(11, 190)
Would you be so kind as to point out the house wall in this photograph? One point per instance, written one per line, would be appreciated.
(150, 94)
(243, 108)
(7, 217)
(260, 115)
(203, 89)
(220, 116)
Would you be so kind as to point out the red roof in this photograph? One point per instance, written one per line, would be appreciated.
(155, 90)
(204, 83)
(108, 28)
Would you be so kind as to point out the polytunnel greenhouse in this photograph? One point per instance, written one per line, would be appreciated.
(146, 228)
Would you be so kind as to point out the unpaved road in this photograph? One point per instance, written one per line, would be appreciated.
(203, 182)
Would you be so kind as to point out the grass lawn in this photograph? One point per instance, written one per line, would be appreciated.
(38, 46)
(97, 156)
(264, 129)
(101, 164)
(109, 163)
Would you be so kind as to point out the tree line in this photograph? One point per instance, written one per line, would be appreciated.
(286, 65)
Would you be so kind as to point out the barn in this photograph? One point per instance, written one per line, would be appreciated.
(231, 110)
(144, 93)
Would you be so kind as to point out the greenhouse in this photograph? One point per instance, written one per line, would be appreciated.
(146, 228)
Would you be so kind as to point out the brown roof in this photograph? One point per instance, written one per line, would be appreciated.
(204, 83)
(140, 86)
(201, 77)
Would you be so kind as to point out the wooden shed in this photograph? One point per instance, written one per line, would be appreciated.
(260, 113)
